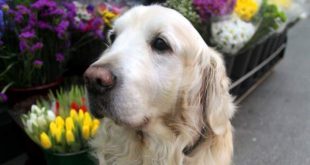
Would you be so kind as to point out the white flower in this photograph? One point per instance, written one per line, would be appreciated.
(82, 12)
(35, 109)
(41, 121)
(50, 115)
(29, 125)
(232, 34)
(33, 116)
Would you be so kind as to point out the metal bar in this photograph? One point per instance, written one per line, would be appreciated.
(257, 68)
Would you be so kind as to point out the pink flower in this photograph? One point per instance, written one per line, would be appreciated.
(38, 63)
(60, 57)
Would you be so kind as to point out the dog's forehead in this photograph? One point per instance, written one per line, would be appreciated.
(156, 18)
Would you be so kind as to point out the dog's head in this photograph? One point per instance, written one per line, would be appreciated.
(156, 59)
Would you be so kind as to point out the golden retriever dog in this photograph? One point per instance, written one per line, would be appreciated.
(163, 93)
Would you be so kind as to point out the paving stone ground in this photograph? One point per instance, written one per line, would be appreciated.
(272, 126)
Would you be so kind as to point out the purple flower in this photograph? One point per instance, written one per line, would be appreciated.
(43, 4)
(18, 17)
(57, 12)
(61, 28)
(3, 98)
(44, 25)
(38, 63)
(97, 23)
(2, 2)
(27, 34)
(19, 13)
(99, 33)
(207, 8)
(70, 11)
(90, 8)
(23, 45)
(60, 57)
(22, 9)
(36, 46)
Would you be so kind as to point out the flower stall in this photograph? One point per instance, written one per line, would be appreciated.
(46, 45)
(251, 34)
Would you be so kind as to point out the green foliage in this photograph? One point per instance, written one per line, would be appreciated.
(186, 8)
(65, 98)
(270, 19)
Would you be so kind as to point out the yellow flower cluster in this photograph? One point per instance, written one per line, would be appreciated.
(246, 9)
(73, 130)
(107, 15)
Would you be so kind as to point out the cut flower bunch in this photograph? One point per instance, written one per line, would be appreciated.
(61, 126)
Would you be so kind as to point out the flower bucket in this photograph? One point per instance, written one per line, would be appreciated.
(77, 158)
(19, 94)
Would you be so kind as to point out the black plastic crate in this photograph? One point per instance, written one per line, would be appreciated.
(248, 67)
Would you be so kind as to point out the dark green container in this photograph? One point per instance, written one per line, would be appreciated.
(77, 158)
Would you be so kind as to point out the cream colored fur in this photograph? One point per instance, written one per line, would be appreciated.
(193, 93)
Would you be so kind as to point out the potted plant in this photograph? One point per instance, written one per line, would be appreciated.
(38, 38)
(62, 126)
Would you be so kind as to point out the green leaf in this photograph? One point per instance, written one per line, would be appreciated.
(7, 69)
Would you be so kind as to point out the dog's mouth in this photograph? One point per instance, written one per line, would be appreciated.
(104, 106)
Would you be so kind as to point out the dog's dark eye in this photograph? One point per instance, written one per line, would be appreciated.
(159, 44)
(111, 37)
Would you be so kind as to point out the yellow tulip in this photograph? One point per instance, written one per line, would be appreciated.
(53, 128)
(69, 136)
(69, 124)
(45, 141)
(94, 129)
(58, 134)
(85, 132)
(59, 121)
(87, 119)
(73, 114)
(81, 115)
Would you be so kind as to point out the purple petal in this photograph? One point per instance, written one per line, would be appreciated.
(60, 57)
(27, 34)
(3, 97)
(38, 63)
(62, 28)
(36, 46)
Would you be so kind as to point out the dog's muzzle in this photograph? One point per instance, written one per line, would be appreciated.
(99, 81)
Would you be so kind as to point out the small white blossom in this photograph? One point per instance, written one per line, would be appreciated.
(41, 121)
(50, 115)
(232, 34)
(35, 109)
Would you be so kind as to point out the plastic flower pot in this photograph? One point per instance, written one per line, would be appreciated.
(77, 158)
(16, 95)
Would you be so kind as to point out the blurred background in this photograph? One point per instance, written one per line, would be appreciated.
(46, 45)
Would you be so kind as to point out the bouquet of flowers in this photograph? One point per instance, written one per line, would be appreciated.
(61, 124)
(232, 25)
(37, 37)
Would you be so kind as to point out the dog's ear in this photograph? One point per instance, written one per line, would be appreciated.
(217, 102)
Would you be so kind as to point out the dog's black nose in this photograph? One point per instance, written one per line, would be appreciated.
(99, 78)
